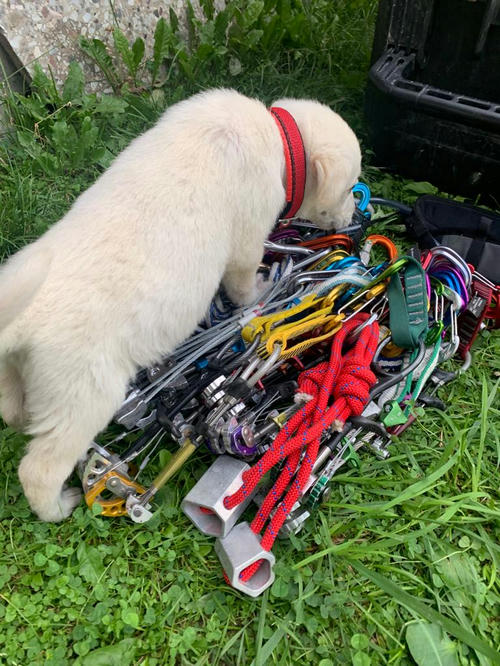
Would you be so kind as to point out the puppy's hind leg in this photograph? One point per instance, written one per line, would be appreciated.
(79, 410)
(11, 394)
(44, 469)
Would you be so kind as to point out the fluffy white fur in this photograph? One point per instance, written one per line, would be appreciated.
(130, 270)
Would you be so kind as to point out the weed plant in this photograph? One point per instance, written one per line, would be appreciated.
(400, 566)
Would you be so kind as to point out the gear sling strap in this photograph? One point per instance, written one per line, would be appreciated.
(471, 231)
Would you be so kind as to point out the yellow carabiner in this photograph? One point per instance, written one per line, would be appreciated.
(332, 295)
(283, 335)
(335, 255)
(263, 324)
(392, 351)
(375, 291)
(310, 342)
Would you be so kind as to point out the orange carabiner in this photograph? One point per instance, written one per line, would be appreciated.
(332, 240)
(378, 239)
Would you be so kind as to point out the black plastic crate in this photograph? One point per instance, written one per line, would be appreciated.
(433, 97)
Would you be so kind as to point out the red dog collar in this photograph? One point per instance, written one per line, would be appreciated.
(295, 158)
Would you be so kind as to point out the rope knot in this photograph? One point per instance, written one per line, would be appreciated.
(354, 383)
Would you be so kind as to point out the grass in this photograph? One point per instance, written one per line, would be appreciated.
(399, 567)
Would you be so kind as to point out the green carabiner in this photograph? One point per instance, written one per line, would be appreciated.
(437, 327)
(434, 333)
(351, 457)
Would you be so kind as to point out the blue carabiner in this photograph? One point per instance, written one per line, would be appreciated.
(364, 191)
(376, 270)
(346, 296)
(451, 281)
(340, 264)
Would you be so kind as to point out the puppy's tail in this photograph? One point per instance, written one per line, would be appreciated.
(20, 279)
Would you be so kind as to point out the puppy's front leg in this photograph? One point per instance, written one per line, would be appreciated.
(241, 286)
(240, 279)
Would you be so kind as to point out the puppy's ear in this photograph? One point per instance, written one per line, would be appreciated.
(330, 175)
(322, 168)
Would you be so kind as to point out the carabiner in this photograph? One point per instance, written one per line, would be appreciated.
(329, 259)
(377, 239)
(332, 240)
(364, 191)
(432, 257)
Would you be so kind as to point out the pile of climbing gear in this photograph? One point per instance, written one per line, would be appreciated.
(347, 340)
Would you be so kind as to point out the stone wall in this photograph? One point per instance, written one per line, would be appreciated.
(47, 31)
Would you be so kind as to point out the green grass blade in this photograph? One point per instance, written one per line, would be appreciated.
(260, 629)
(486, 402)
(426, 612)
(268, 648)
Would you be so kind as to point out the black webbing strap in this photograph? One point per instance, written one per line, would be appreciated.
(472, 231)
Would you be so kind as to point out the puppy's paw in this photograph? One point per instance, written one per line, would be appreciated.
(69, 499)
(260, 287)
(242, 298)
(261, 284)
(245, 288)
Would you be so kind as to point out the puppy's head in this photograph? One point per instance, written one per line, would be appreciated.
(333, 161)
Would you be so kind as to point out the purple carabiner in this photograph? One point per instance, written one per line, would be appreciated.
(281, 234)
(239, 446)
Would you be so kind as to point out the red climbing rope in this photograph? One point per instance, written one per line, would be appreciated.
(348, 380)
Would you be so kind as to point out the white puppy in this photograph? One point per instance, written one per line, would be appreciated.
(130, 270)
